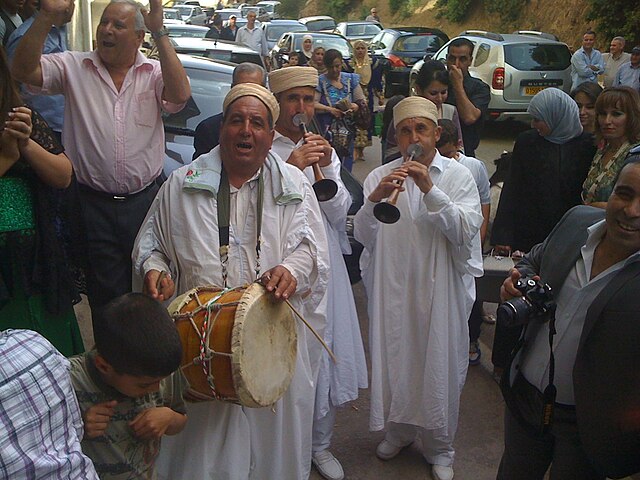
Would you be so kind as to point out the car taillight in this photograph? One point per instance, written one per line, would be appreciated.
(498, 79)
(396, 61)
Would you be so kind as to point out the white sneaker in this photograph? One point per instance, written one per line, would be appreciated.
(328, 466)
(440, 472)
(387, 450)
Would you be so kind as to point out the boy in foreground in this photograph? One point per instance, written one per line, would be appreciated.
(128, 389)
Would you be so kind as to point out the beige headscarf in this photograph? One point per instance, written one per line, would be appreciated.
(362, 68)
(292, 77)
(412, 107)
(253, 90)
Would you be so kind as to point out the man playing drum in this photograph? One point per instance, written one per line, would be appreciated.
(337, 383)
(418, 276)
(275, 233)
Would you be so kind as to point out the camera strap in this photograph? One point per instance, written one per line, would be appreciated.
(549, 394)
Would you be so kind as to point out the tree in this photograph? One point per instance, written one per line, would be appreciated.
(616, 17)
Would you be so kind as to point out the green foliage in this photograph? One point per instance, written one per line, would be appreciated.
(616, 17)
(508, 10)
(338, 9)
(453, 10)
(291, 8)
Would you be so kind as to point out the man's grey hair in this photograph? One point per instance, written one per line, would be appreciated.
(139, 19)
(247, 68)
(619, 39)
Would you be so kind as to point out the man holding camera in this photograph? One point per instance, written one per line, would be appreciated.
(576, 406)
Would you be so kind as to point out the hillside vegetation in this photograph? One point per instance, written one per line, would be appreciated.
(567, 19)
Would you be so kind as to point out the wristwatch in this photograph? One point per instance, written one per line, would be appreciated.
(160, 33)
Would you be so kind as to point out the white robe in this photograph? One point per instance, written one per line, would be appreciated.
(180, 234)
(418, 303)
(336, 381)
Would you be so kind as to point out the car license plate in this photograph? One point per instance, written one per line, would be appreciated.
(533, 90)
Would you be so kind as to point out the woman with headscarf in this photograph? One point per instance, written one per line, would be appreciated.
(548, 165)
(317, 60)
(307, 51)
(371, 83)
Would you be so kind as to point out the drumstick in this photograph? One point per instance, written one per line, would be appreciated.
(163, 274)
(326, 347)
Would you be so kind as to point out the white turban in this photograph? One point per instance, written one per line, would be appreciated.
(253, 90)
(292, 77)
(412, 107)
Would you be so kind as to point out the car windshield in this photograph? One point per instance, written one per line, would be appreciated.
(417, 43)
(362, 30)
(538, 56)
(171, 15)
(274, 32)
(188, 32)
(208, 89)
(267, 6)
(327, 42)
(316, 25)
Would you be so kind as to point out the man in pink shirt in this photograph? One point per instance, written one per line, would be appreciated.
(113, 131)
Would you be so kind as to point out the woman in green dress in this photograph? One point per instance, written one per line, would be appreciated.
(37, 290)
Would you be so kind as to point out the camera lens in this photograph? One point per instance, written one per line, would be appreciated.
(514, 312)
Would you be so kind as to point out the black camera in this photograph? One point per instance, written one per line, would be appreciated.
(536, 303)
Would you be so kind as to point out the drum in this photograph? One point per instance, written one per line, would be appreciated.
(239, 345)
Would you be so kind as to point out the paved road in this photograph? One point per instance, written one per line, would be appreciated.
(479, 440)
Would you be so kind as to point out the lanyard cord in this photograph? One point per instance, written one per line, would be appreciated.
(224, 209)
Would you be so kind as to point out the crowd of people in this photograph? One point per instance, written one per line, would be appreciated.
(83, 210)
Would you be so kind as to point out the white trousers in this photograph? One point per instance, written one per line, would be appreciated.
(437, 448)
(323, 430)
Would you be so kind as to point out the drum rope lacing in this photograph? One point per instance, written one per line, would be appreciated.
(206, 353)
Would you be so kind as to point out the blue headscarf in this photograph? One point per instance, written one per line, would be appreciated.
(559, 111)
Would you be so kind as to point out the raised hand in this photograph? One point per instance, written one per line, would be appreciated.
(153, 19)
(58, 11)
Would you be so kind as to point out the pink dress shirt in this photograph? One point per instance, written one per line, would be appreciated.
(115, 139)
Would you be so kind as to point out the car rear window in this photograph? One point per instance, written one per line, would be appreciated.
(274, 32)
(364, 29)
(208, 89)
(234, 57)
(417, 43)
(317, 25)
(326, 42)
(537, 56)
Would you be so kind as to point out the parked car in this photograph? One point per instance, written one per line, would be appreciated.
(225, 13)
(274, 29)
(402, 50)
(172, 17)
(292, 42)
(515, 66)
(210, 82)
(187, 31)
(261, 13)
(214, 49)
(354, 31)
(272, 7)
(319, 23)
(192, 14)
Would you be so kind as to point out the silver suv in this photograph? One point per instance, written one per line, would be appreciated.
(515, 66)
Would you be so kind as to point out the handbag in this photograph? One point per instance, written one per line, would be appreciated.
(496, 270)
(341, 136)
(341, 130)
(362, 116)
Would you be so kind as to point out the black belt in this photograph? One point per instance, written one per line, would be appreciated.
(115, 197)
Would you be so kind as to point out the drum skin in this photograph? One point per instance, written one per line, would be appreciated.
(258, 334)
